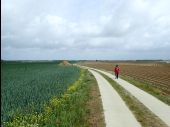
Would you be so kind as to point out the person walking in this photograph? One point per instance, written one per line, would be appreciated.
(117, 71)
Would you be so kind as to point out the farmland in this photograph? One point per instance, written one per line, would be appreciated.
(154, 73)
(27, 87)
(53, 94)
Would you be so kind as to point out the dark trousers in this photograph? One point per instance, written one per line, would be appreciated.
(117, 75)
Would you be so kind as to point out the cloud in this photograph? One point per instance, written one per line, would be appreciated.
(80, 29)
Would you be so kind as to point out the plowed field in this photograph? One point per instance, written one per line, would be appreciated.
(157, 74)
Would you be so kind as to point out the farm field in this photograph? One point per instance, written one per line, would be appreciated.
(28, 86)
(156, 74)
(37, 94)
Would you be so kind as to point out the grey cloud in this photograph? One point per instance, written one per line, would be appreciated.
(122, 29)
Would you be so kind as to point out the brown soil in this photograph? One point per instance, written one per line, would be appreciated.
(65, 63)
(156, 74)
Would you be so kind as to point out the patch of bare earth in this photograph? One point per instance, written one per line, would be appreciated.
(65, 63)
(154, 74)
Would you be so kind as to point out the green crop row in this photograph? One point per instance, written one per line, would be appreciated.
(65, 111)
(27, 87)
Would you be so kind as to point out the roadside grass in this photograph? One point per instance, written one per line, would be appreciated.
(141, 112)
(70, 110)
(158, 93)
(95, 116)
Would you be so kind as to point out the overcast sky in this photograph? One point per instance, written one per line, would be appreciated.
(85, 29)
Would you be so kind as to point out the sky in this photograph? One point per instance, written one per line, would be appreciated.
(85, 29)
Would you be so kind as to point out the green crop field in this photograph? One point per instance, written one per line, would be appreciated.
(27, 87)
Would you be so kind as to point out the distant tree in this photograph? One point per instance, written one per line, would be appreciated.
(2, 60)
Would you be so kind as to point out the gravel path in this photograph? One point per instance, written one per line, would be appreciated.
(116, 112)
(159, 108)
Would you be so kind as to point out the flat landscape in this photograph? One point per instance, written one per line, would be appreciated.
(85, 63)
(47, 94)
(63, 94)
(153, 72)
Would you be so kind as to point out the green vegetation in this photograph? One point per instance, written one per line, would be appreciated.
(142, 113)
(158, 93)
(27, 87)
(44, 94)
(66, 111)
(95, 115)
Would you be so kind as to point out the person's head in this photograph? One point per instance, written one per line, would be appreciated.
(117, 65)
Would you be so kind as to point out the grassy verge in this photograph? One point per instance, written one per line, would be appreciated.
(95, 115)
(67, 111)
(142, 113)
(150, 89)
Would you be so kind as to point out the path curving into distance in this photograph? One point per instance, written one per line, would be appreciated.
(116, 112)
(159, 108)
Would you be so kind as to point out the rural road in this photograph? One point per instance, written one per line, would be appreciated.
(116, 112)
(159, 108)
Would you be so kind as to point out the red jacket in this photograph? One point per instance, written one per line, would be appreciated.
(117, 70)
